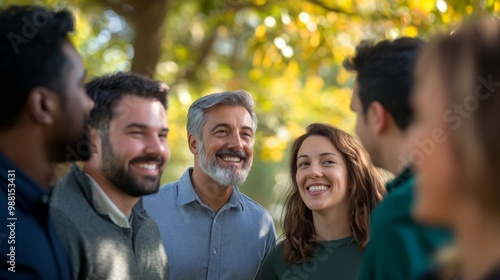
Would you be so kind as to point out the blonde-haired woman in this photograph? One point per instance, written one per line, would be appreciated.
(457, 105)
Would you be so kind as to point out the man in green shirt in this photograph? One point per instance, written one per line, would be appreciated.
(399, 248)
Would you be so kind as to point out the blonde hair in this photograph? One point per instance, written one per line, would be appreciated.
(469, 63)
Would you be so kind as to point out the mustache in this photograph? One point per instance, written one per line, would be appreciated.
(156, 159)
(232, 153)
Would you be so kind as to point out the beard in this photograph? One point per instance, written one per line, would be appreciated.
(229, 176)
(123, 178)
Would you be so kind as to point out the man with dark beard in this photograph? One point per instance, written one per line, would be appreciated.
(43, 110)
(97, 210)
(210, 230)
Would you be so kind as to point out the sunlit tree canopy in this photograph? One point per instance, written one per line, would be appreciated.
(287, 54)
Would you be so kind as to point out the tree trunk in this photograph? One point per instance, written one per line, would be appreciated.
(147, 18)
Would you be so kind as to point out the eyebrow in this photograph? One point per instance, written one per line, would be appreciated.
(322, 154)
(143, 126)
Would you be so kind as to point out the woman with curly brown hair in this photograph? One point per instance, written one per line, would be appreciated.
(326, 226)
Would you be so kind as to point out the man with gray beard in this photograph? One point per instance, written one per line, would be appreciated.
(209, 229)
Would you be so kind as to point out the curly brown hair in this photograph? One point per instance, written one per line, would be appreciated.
(367, 189)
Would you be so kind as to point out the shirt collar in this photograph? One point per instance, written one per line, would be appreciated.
(105, 206)
(186, 193)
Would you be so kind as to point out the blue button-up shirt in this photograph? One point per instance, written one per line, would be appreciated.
(203, 245)
(29, 245)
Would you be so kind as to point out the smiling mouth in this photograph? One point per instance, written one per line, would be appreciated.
(230, 159)
(317, 188)
(147, 166)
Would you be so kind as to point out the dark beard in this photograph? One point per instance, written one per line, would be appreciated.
(124, 179)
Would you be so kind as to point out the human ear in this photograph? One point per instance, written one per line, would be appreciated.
(94, 140)
(193, 144)
(42, 105)
(378, 116)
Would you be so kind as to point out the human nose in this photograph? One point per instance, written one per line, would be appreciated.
(314, 171)
(235, 142)
(157, 146)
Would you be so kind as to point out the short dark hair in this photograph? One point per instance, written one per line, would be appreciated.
(108, 90)
(31, 51)
(385, 74)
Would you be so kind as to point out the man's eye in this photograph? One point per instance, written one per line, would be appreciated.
(135, 132)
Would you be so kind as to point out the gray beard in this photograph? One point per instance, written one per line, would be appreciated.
(227, 177)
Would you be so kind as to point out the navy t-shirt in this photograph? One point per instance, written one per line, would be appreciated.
(29, 245)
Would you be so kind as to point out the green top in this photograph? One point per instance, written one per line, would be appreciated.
(337, 259)
(399, 248)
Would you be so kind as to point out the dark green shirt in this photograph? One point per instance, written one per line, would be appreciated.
(399, 248)
(337, 259)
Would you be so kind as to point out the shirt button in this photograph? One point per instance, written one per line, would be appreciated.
(215, 252)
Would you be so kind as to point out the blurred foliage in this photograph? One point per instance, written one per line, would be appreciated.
(287, 54)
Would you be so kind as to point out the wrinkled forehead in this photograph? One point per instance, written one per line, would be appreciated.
(237, 115)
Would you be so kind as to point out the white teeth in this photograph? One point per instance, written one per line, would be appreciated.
(317, 188)
(232, 159)
(148, 166)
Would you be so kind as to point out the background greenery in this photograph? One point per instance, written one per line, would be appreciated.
(287, 54)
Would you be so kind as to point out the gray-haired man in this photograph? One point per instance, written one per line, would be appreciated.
(209, 229)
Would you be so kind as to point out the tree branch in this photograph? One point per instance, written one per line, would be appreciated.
(374, 16)
(331, 9)
(123, 9)
(206, 48)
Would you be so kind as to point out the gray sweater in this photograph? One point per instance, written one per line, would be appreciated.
(99, 249)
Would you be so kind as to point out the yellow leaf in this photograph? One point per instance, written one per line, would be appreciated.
(273, 149)
(410, 31)
(255, 74)
(292, 70)
(343, 76)
(260, 31)
(257, 58)
(313, 85)
(315, 39)
(469, 9)
(425, 5)
(446, 18)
